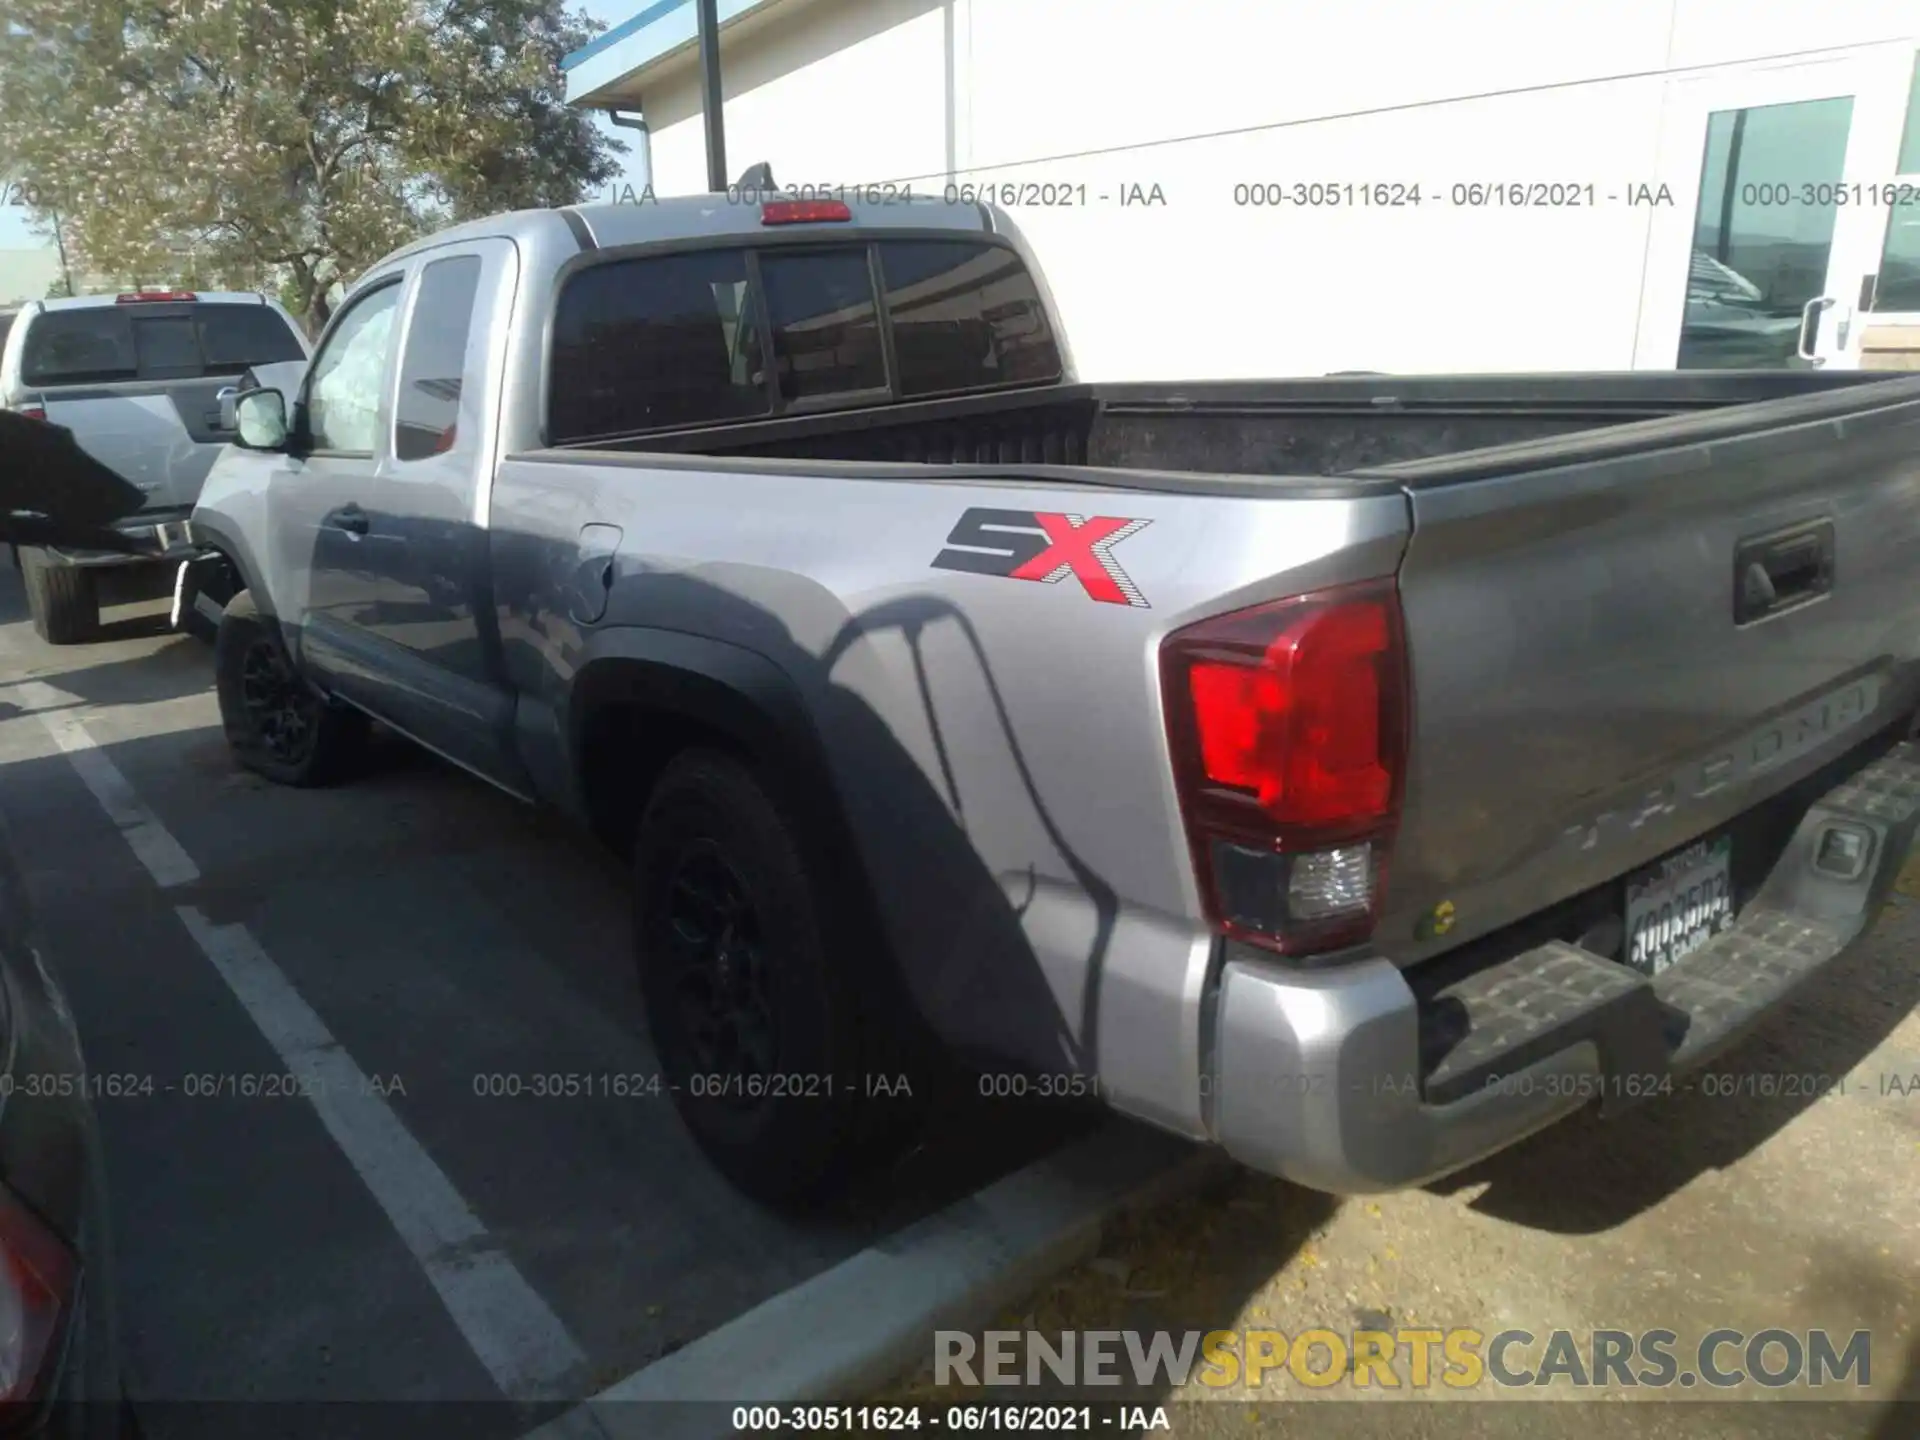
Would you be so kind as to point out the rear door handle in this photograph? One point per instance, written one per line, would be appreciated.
(350, 518)
(1782, 571)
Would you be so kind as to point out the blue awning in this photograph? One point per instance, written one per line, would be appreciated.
(610, 66)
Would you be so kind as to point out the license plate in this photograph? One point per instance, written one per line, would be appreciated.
(1676, 905)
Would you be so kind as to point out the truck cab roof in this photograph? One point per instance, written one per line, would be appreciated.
(152, 297)
(683, 218)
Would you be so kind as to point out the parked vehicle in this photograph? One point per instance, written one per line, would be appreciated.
(138, 378)
(1357, 773)
(59, 1347)
(59, 1343)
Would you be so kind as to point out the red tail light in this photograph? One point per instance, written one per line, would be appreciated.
(140, 296)
(1288, 727)
(33, 412)
(36, 1289)
(801, 212)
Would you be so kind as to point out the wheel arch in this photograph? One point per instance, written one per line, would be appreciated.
(642, 695)
(219, 540)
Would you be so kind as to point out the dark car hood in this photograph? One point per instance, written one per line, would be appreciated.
(47, 1132)
(53, 493)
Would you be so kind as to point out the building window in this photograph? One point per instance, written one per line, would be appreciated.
(1759, 250)
(1896, 286)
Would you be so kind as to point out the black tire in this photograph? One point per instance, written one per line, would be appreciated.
(276, 725)
(61, 598)
(757, 1028)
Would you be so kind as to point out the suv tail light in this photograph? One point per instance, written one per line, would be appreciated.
(36, 1291)
(32, 412)
(139, 296)
(1288, 729)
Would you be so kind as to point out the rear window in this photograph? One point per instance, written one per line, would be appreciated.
(658, 343)
(826, 328)
(174, 342)
(964, 316)
(650, 344)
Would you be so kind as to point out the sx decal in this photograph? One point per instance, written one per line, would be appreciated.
(1045, 546)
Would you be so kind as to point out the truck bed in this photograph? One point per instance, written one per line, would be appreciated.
(1568, 558)
(1315, 427)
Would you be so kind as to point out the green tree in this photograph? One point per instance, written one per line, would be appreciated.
(286, 145)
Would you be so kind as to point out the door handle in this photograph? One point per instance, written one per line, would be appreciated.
(1810, 314)
(1782, 571)
(350, 518)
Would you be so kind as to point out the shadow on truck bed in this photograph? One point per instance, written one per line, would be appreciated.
(1321, 427)
(971, 954)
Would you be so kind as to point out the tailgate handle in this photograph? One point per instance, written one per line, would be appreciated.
(1782, 571)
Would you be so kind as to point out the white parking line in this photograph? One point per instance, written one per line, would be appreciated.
(516, 1336)
(511, 1330)
(145, 835)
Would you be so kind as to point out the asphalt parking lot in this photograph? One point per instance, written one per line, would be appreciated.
(416, 1232)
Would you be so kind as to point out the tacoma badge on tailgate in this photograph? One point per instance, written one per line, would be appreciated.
(1045, 546)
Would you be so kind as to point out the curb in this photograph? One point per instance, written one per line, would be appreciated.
(870, 1318)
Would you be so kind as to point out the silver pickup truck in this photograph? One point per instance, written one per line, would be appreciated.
(1378, 769)
(139, 378)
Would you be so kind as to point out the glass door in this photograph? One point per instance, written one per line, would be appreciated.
(1886, 335)
(1780, 177)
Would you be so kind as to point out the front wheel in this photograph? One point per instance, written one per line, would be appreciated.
(755, 1020)
(276, 725)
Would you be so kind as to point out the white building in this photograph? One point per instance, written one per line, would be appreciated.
(1600, 185)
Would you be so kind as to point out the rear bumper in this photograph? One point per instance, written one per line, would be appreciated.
(1348, 1081)
(162, 539)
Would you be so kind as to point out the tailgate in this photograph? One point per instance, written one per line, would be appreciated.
(1621, 641)
(162, 435)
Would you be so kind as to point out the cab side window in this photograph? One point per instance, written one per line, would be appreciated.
(343, 393)
(427, 413)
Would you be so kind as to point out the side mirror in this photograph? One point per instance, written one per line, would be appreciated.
(229, 420)
(260, 417)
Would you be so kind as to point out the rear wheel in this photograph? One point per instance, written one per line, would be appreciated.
(276, 725)
(61, 598)
(754, 1017)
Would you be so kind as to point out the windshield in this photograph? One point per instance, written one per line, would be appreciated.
(174, 342)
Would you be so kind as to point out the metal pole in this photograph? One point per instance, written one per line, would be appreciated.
(710, 94)
(637, 120)
(60, 244)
